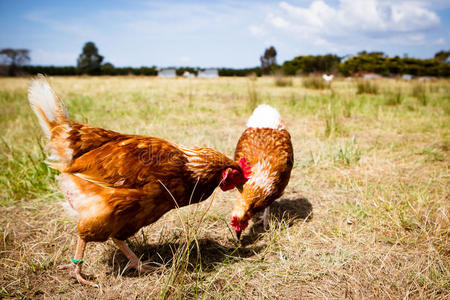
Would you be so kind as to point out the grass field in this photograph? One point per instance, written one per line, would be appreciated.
(365, 215)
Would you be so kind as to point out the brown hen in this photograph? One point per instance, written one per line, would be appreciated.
(117, 183)
(266, 144)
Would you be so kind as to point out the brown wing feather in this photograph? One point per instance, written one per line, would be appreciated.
(258, 143)
(126, 161)
(273, 146)
(84, 138)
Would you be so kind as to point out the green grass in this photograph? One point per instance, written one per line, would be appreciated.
(314, 82)
(24, 175)
(419, 91)
(365, 215)
(365, 86)
(348, 153)
(282, 81)
(394, 98)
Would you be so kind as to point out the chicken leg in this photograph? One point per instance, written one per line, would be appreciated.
(75, 266)
(135, 262)
(266, 218)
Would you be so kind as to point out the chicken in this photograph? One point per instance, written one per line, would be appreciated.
(328, 78)
(266, 144)
(118, 183)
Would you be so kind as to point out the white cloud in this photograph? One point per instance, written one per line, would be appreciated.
(418, 38)
(278, 22)
(256, 30)
(405, 22)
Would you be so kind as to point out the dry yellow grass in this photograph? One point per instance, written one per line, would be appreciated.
(366, 214)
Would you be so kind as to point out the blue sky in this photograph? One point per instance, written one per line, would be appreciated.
(221, 33)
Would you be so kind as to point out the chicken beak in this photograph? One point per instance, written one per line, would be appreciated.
(238, 235)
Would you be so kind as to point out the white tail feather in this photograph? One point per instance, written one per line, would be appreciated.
(265, 116)
(45, 104)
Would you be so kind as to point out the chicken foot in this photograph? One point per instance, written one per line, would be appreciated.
(135, 262)
(75, 266)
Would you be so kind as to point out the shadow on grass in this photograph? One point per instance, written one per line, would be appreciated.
(206, 256)
(290, 209)
(209, 253)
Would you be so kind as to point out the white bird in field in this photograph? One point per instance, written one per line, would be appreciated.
(328, 78)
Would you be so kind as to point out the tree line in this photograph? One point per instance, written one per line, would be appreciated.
(122, 71)
(369, 62)
(378, 62)
(15, 62)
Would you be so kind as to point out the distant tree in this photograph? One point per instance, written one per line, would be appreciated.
(180, 71)
(374, 53)
(442, 56)
(89, 61)
(364, 62)
(379, 63)
(51, 70)
(240, 72)
(311, 64)
(14, 59)
(268, 60)
(108, 69)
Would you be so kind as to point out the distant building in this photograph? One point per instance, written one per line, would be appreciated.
(188, 74)
(372, 76)
(208, 73)
(167, 73)
(407, 77)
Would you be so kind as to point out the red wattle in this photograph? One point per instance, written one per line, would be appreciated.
(246, 167)
(237, 225)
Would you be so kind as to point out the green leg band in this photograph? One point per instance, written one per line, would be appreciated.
(76, 261)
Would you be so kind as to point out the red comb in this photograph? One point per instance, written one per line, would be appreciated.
(246, 168)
